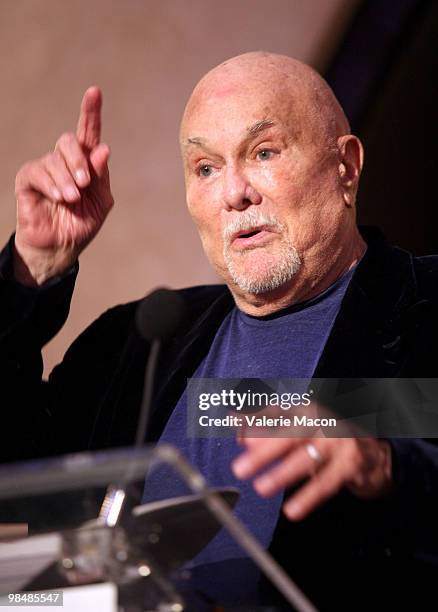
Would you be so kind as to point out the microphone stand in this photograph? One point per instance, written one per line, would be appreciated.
(116, 495)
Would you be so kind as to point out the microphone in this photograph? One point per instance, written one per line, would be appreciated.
(157, 318)
(159, 314)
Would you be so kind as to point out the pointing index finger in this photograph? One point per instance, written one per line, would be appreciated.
(89, 124)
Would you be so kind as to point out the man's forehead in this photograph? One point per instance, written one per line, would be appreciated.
(258, 98)
(243, 113)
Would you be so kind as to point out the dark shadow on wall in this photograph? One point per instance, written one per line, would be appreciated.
(386, 76)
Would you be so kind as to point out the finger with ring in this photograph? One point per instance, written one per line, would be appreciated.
(314, 454)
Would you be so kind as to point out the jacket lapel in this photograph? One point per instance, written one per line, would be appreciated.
(181, 359)
(370, 333)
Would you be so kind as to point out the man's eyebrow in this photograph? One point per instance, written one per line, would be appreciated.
(195, 140)
(253, 130)
(259, 126)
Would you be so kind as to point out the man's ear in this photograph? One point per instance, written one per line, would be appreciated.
(350, 165)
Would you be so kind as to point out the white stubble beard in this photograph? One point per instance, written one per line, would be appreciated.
(263, 278)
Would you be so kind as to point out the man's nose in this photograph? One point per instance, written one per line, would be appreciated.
(238, 193)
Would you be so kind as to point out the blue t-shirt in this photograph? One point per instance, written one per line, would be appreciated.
(287, 344)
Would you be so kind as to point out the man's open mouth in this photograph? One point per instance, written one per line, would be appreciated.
(253, 236)
(249, 234)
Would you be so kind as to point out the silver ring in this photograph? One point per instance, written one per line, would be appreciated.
(314, 454)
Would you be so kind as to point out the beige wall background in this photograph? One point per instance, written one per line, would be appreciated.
(146, 56)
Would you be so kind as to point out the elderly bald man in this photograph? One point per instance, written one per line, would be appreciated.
(271, 173)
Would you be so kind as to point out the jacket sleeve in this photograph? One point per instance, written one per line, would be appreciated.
(29, 318)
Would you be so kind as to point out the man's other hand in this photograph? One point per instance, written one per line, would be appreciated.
(325, 465)
(62, 199)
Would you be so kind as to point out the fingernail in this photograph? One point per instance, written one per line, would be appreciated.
(72, 193)
(241, 467)
(57, 194)
(292, 510)
(81, 176)
(263, 485)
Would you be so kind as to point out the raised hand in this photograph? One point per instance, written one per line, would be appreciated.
(62, 199)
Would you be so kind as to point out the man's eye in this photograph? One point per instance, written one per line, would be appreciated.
(265, 154)
(205, 170)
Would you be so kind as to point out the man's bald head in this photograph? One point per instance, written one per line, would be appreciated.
(272, 75)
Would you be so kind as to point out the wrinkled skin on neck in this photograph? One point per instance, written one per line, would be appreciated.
(263, 137)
